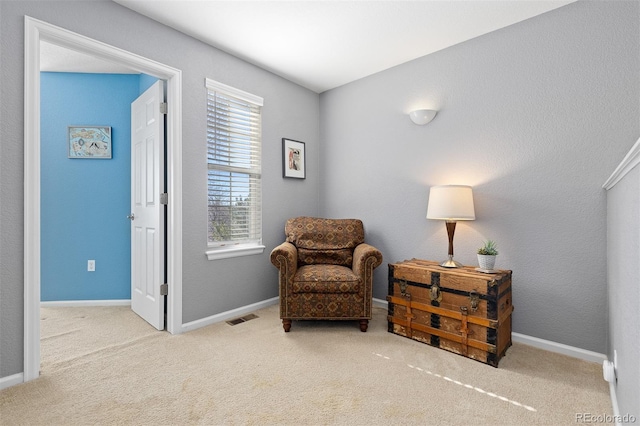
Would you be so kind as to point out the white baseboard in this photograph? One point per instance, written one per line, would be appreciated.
(379, 303)
(560, 348)
(7, 382)
(77, 303)
(238, 312)
(537, 342)
(614, 402)
(223, 316)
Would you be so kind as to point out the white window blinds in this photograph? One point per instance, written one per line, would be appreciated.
(234, 172)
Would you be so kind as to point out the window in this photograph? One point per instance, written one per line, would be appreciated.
(234, 142)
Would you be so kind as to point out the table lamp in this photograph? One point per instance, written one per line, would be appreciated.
(451, 203)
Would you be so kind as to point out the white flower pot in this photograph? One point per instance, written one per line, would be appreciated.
(486, 261)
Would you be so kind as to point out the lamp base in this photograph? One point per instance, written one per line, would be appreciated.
(450, 263)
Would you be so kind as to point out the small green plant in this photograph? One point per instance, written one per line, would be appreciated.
(489, 248)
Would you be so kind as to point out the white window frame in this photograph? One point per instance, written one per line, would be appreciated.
(228, 249)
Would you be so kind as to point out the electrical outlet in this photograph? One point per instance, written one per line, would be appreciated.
(91, 265)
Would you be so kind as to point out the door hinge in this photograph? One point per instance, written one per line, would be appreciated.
(164, 289)
(163, 108)
(164, 198)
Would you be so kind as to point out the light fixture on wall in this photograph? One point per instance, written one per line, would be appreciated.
(451, 203)
(422, 116)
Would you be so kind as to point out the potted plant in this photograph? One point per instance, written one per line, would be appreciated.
(487, 255)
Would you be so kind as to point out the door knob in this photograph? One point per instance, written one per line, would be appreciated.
(131, 216)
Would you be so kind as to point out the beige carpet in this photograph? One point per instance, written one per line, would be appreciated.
(106, 366)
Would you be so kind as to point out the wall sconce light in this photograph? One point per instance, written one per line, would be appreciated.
(451, 203)
(422, 116)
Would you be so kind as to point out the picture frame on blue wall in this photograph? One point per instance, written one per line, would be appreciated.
(293, 159)
(89, 142)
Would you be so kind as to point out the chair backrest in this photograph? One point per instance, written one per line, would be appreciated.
(324, 241)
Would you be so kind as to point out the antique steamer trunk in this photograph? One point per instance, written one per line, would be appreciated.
(457, 309)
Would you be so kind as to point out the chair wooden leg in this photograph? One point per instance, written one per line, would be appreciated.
(286, 324)
(364, 324)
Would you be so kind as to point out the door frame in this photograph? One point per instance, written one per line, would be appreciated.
(36, 30)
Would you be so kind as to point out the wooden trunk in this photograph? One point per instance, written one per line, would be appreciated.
(460, 310)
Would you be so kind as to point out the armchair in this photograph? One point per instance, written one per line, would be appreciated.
(325, 271)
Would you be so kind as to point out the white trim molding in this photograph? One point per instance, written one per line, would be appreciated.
(8, 381)
(234, 313)
(614, 402)
(84, 303)
(560, 348)
(240, 94)
(630, 160)
(379, 303)
(229, 252)
(31, 342)
(35, 31)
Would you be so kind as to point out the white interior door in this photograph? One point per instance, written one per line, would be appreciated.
(147, 211)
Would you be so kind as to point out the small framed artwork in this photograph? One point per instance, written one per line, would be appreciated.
(293, 159)
(89, 142)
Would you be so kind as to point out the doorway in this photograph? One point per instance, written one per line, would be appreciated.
(36, 31)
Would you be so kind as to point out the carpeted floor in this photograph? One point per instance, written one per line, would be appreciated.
(107, 366)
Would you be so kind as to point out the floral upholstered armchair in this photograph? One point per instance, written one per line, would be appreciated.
(326, 271)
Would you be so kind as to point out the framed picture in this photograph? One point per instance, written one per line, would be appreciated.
(89, 142)
(293, 159)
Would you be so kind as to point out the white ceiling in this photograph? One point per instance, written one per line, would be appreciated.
(323, 44)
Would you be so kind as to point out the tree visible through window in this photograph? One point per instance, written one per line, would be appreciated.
(234, 172)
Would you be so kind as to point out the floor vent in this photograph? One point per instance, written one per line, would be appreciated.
(242, 319)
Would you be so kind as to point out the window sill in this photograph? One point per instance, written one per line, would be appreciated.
(229, 252)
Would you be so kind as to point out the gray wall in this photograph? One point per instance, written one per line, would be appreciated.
(623, 245)
(209, 287)
(535, 117)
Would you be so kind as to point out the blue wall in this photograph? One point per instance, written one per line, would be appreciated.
(85, 201)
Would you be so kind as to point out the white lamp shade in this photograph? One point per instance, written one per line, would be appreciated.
(451, 202)
(422, 116)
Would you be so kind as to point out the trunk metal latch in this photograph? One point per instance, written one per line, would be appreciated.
(474, 299)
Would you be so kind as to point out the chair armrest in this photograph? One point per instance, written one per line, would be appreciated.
(285, 258)
(366, 255)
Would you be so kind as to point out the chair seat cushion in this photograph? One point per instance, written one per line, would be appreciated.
(325, 279)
